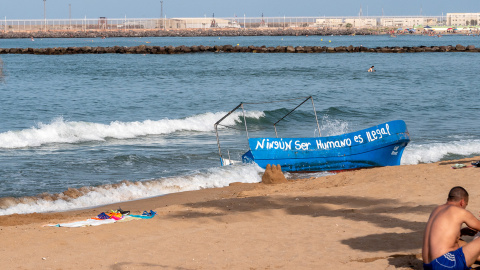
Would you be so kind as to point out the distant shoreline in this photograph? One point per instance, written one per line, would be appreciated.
(218, 32)
(191, 33)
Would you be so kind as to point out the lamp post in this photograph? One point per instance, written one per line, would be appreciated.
(161, 13)
(70, 16)
(45, 14)
(161, 9)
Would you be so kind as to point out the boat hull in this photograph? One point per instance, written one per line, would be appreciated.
(381, 145)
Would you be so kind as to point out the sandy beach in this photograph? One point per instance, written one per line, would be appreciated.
(363, 219)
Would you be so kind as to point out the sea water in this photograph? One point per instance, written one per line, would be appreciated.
(79, 131)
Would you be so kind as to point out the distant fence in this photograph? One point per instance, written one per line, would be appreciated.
(126, 24)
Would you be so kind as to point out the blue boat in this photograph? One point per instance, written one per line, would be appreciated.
(377, 146)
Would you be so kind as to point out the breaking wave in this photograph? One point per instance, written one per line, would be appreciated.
(127, 191)
(434, 152)
(62, 131)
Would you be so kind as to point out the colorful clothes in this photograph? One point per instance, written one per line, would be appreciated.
(106, 218)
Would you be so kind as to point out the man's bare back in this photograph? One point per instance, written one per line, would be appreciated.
(443, 230)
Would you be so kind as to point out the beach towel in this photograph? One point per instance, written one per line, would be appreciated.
(84, 223)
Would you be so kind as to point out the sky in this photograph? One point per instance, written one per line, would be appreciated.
(60, 9)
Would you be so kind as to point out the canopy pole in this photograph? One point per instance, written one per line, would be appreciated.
(245, 121)
(216, 130)
(315, 112)
(275, 125)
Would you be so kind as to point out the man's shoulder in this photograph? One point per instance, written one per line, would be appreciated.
(449, 210)
(455, 208)
(457, 212)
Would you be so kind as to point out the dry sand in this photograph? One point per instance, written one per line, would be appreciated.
(364, 219)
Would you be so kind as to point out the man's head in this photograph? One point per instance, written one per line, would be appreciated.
(458, 195)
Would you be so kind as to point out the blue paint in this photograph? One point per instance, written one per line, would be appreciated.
(381, 145)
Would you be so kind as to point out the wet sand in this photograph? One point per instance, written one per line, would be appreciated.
(363, 219)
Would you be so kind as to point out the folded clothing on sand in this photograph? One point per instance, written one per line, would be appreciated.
(106, 218)
(458, 166)
(110, 215)
(145, 215)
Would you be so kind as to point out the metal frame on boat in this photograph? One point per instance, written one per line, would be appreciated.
(380, 145)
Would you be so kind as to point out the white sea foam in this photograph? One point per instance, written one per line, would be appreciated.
(215, 177)
(333, 127)
(427, 153)
(62, 131)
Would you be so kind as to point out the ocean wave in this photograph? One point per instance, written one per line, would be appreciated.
(434, 152)
(70, 132)
(334, 127)
(127, 191)
(215, 177)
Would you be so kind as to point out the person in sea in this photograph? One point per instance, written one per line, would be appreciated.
(371, 69)
(442, 246)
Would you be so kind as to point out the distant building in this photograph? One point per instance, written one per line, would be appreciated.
(135, 23)
(329, 22)
(464, 19)
(366, 22)
(361, 22)
(407, 21)
(204, 23)
(176, 23)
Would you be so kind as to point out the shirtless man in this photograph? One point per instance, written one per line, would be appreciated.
(441, 249)
(371, 69)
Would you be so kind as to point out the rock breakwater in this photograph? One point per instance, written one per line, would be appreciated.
(144, 49)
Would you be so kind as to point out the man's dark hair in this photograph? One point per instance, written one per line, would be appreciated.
(456, 194)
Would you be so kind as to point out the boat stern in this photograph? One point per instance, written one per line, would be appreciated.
(248, 157)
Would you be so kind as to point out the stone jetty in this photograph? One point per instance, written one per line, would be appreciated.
(212, 32)
(144, 49)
